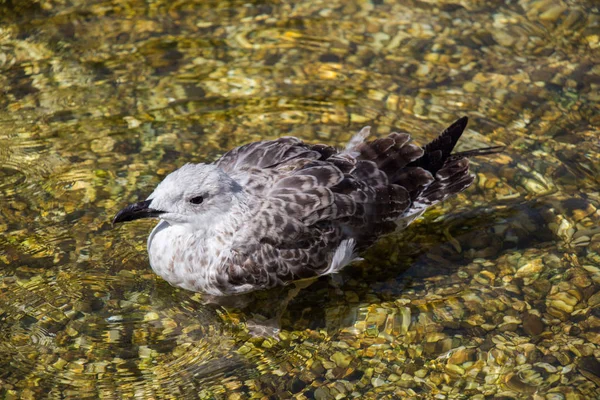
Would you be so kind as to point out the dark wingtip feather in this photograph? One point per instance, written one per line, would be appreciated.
(481, 152)
(437, 152)
(448, 138)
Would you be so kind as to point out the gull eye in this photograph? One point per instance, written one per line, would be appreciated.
(197, 200)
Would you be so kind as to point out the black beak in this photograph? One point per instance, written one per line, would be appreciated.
(136, 211)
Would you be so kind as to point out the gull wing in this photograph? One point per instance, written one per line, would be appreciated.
(267, 154)
(317, 202)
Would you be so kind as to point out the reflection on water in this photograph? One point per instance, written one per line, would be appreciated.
(492, 294)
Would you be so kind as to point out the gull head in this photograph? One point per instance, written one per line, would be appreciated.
(195, 195)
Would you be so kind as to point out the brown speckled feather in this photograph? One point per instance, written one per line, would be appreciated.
(313, 197)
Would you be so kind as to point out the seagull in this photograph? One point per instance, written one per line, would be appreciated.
(274, 212)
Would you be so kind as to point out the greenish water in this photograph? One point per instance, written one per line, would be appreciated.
(494, 294)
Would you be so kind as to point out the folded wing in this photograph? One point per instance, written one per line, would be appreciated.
(316, 198)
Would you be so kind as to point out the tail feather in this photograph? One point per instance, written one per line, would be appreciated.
(393, 181)
(427, 174)
(450, 170)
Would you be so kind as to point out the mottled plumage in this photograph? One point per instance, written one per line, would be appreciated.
(272, 212)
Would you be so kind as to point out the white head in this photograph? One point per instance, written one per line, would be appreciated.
(196, 195)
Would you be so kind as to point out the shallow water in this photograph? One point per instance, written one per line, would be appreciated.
(495, 293)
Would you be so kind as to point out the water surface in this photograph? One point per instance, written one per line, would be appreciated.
(493, 294)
